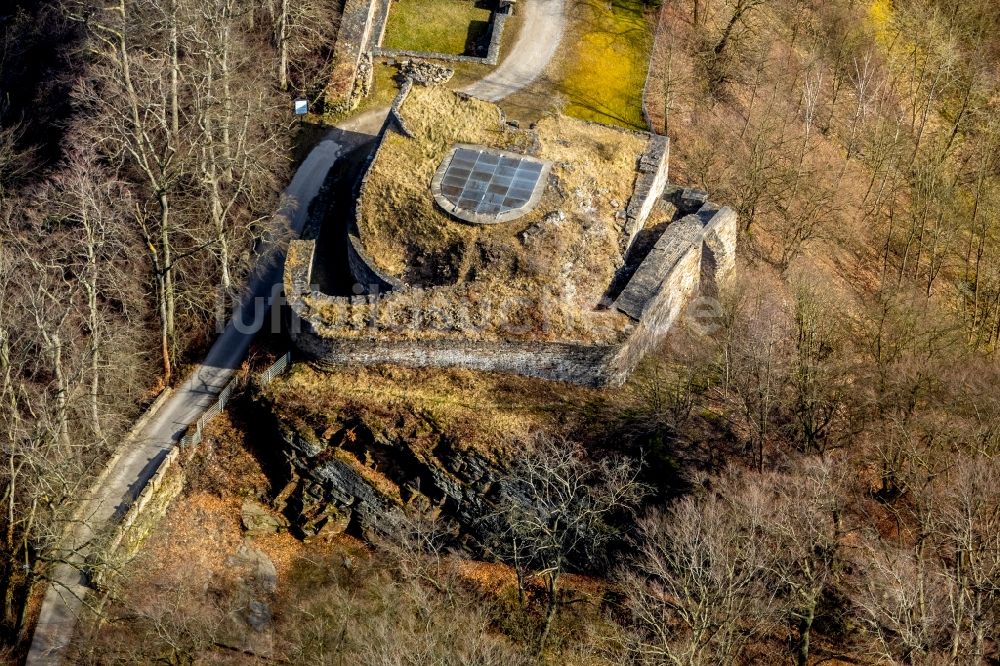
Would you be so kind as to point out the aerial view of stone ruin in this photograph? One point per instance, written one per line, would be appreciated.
(549, 251)
(500, 332)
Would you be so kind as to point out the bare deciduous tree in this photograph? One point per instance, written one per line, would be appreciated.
(558, 507)
(701, 587)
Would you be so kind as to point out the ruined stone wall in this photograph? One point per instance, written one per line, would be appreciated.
(719, 253)
(681, 276)
(649, 186)
(694, 253)
(664, 284)
(353, 41)
(361, 266)
(365, 274)
(568, 362)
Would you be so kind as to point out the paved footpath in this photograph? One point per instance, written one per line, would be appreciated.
(542, 25)
(65, 596)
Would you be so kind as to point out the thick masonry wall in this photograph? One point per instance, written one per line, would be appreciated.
(353, 39)
(363, 270)
(649, 186)
(575, 363)
(665, 305)
(646, 283)
(592, 365)
(719, 261)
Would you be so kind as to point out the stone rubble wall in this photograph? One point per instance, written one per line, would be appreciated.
(720, 249)
(142, 515)
(679, 274)
(667, 300)
(353, 43)
(361, 266)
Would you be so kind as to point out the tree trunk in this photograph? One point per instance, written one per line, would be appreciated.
(227, 98)
(550, 610)
(283, 46)
(168, 278)
(175, 116)
(805, 633)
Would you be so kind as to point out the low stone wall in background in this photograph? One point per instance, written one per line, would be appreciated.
(497, 21)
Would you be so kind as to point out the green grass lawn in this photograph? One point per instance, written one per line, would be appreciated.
(600, 69)
(441, 26)
(608, 54)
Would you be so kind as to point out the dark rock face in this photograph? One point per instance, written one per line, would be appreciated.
(354, 478)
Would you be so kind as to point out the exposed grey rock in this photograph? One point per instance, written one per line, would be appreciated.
(262, 567)
(552, 219)
(332, 520)
(459, 484)
(259, 615)
(258, 520)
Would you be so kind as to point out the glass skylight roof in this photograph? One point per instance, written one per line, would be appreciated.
(484, 185)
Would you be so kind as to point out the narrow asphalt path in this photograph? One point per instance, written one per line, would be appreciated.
(542, 25)
(65, 596)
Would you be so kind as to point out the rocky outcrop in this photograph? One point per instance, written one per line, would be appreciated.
(355, 475)
(257, 520)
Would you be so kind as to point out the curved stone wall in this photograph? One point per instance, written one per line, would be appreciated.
(692, 255)
(362, 267)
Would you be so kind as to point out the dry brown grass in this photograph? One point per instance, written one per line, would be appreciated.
(399, 217)
(488, 412)
(549, 280)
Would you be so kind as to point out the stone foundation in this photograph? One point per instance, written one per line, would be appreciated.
(497, 21)
(692, 254)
